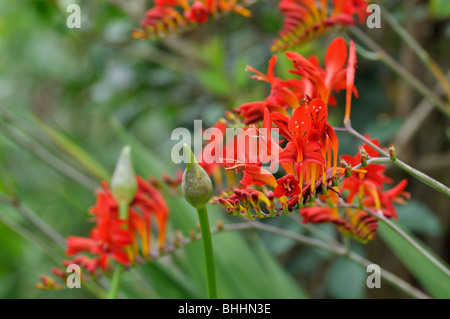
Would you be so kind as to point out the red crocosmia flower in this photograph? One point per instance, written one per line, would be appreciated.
(312, 142)
(350, 80)
(77, 244)
(308, 19)
(197, 13)
(240, 201)
(351, 7)
(353, 222)
(90, 264)
(320, 215)
(369, 181)
(116, 238)
(385, 200)
(211, 158)
(335, 77)
(287, 185)
(283, 95)
(368, 185)
(168, 16)
(151, 203)
(257, 175)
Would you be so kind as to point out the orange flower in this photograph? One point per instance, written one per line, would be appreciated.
(169, 16)
(308, 19)
(116, 238)
(314, 82)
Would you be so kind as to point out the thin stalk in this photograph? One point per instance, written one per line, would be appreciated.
(55, 162)
(35, 220)
(401, 71)
(115, 281)
(92, 287)
(419, 51)
(411, 241)
(390, 277)
(400, 232)
(207, 252)
(341, 250)
(31, 237)
(314, 230)
(412, 171)
(336, 249)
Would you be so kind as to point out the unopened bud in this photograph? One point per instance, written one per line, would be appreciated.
(342, 162)
(392, 153)
(348, 171)
(364, 156)
(123, 181)
(334, 181)
(196, 186)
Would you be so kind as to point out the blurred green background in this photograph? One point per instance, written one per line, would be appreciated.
(71, 98)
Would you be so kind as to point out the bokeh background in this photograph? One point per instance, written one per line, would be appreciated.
(71, 98)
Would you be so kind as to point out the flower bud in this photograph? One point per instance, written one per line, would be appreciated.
(123, 181)
(392, 153)
(364, 156)
(348, 171)
(196, 186)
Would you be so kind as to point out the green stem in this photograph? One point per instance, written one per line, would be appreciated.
(208, 252)
(419, 51)
(341, 250)
(35, 220)
(123, 210)
(412, 171)
(379, 215)
(115, 281)
(401, 71)
(414, 244)
(423, 177)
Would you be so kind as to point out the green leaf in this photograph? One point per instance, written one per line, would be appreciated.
(434, 280)
(346, 280)
(73, 149)
(215, 82)
(418, 218)
(439, 9)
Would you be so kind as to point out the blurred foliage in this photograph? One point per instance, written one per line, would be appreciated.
(79, 95)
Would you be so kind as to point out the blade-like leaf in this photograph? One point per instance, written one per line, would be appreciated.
(433, 279)
(73, 149)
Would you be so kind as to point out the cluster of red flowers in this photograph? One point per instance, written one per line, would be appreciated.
(303, 19)
(307, 19)
(307, 153)
(112, 238)
(314, 82)
(363, 191)
(169, 16)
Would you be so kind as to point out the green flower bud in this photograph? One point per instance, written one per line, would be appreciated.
(364, 156)
(123, 181)
(392, 153)
(196, 185)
